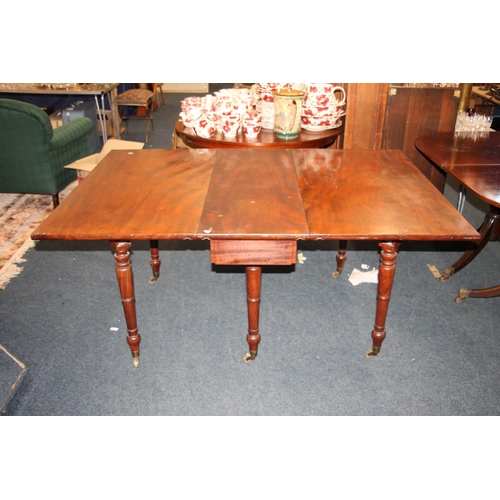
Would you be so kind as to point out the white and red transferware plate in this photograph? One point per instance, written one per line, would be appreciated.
(319, 128)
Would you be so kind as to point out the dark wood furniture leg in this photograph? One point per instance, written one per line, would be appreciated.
(126, 285)
(483, 293)
(341, 258)
(253, 254)
(488, 231)
(485, 230)
(387, 268)
(155, 260)
(253, 279)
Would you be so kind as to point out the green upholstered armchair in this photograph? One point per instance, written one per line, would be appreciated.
(33, 154)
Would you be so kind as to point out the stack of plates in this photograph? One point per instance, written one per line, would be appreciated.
(321, 119)
(265, 103)
(266, 110)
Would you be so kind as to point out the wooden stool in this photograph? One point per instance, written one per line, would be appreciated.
(138, 98)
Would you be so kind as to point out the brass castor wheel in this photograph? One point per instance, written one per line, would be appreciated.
(372, 352)
(249, 356)
(463, 293)
(449, 271)
(135, 359)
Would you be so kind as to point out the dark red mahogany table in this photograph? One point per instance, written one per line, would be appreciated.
(474, 161)
(253, 205)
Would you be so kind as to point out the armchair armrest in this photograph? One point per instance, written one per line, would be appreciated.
(70, 142)
(71, 132)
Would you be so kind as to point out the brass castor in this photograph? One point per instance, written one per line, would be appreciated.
(372, 352)
(135, 359)
(336, 273)
(463, 293)
(249, 356)
(154, 278)
(449, 271)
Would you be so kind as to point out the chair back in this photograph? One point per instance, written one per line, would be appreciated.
(25, 136)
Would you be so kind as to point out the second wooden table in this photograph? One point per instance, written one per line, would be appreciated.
(265, 139)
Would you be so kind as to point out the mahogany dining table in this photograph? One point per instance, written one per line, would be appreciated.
(473, 159)
(254, 205)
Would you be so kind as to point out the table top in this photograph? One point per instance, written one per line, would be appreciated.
(474, 161)
(260, 194)
(45, 88)
(265, 139)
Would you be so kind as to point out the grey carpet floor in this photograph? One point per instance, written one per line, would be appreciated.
(439, 358)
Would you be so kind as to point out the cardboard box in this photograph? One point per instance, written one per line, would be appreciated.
(87, 164)
(56, 119)
(109, 124)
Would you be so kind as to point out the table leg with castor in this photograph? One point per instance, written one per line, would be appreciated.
(126, 285)
(253, 281)
(387, 269)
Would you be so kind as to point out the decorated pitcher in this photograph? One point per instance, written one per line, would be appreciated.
(287, 112)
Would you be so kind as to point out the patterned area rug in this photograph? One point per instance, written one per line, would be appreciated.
(20, 215)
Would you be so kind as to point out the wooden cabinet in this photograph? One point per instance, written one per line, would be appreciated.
(385, 116)
(412, 112)
(365, 114)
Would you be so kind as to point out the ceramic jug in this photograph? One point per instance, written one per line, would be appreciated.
(287, 113)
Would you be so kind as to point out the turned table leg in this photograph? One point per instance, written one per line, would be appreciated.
(126, 285)
(341, 258)
(387, 268)
(253, 254)
(155, 261)
(253, 279)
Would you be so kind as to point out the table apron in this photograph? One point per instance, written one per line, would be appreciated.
(253, 252)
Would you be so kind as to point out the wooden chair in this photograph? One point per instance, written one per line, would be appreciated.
(158, 90)
(139, 98)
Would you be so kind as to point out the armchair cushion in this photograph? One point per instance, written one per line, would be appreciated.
(33, 155)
